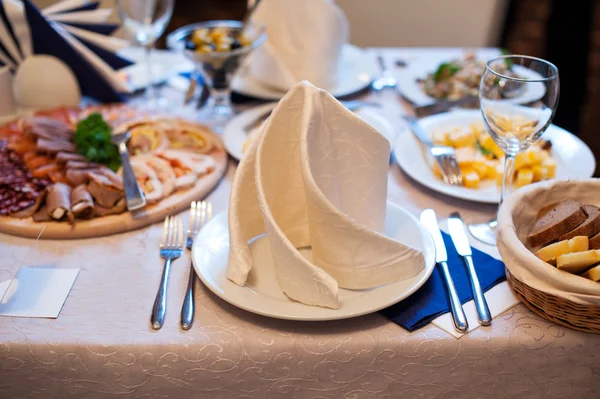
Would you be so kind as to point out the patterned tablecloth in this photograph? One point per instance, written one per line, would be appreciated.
(101, 345)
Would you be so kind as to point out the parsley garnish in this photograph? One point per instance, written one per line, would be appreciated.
(93, 141)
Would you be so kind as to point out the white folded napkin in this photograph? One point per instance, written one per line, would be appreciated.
(317, 177)
(304, 42)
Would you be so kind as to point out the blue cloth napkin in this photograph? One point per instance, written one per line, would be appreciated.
(431, 300)
(46, 40)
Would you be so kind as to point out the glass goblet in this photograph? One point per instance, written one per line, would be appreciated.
(145, 21)
(518, 98)
(218, 67)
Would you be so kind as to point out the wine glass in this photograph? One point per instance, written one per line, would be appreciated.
(218, 67)
(518, 98)
(145, 21)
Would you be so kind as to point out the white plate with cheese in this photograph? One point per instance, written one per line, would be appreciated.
(572, 157)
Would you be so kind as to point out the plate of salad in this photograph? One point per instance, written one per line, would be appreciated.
(431, 80)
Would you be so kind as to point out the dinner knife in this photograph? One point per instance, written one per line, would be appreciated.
(456, 227)
(429, 219)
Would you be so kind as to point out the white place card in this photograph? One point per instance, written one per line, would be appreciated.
(36, 291)
(499, 298)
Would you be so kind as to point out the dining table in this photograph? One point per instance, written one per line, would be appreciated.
(102, 344)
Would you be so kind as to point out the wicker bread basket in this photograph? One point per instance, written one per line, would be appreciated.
(563, 298)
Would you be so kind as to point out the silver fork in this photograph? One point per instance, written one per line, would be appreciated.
(171, 248)
(444, 156)
(200, 213)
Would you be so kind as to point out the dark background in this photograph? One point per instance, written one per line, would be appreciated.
(565, 32)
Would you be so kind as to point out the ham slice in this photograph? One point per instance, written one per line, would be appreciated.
(58, 202)
(63, 157)
(42, 215)
(31, 210)
(106, 191)
(47, 128)
(119, 207)
(82, 203)
(76, 177)
(54, 146)
(82, 165)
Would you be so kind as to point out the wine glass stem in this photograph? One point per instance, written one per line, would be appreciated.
(222, 101)
(509, 166)
(150, 89)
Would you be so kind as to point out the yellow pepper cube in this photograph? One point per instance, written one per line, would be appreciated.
(539, 172)
(550, 165)
(524, 177)
(471, 179)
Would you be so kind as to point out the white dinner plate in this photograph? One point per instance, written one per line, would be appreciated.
(234, 135)
(411, 89)
(357, 71)
(262, 294)
(573, 157)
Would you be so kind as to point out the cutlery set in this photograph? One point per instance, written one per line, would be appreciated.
(461, 243)
(171, 248)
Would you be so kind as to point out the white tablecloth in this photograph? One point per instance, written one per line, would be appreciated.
(102, 346)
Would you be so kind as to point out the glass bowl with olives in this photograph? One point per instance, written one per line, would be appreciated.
(217, 49)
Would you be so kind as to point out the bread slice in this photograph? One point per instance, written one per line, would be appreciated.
(594, 241)
(557, 221)
(588, 228)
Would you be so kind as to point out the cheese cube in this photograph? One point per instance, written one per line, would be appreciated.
(470, 178)
(465, 156)
(524, 177)
(522, 161)
(577, 262)
(462, 138)
(436, 169)
(499, 173)
(550, 165)
(539, 173)
(593, 274)
(439, 138)
(579, 244)
(489, 144)
(551, 252)
(484, 169)
(536, 155)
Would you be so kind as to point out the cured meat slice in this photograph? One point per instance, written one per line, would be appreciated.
(82, 203)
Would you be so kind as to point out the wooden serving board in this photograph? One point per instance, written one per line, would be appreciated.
(113, 224)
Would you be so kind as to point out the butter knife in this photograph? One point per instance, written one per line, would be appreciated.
(429, 219)
(456, 227)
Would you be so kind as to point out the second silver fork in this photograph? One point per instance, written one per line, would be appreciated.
(444, 156)
(200, 213)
